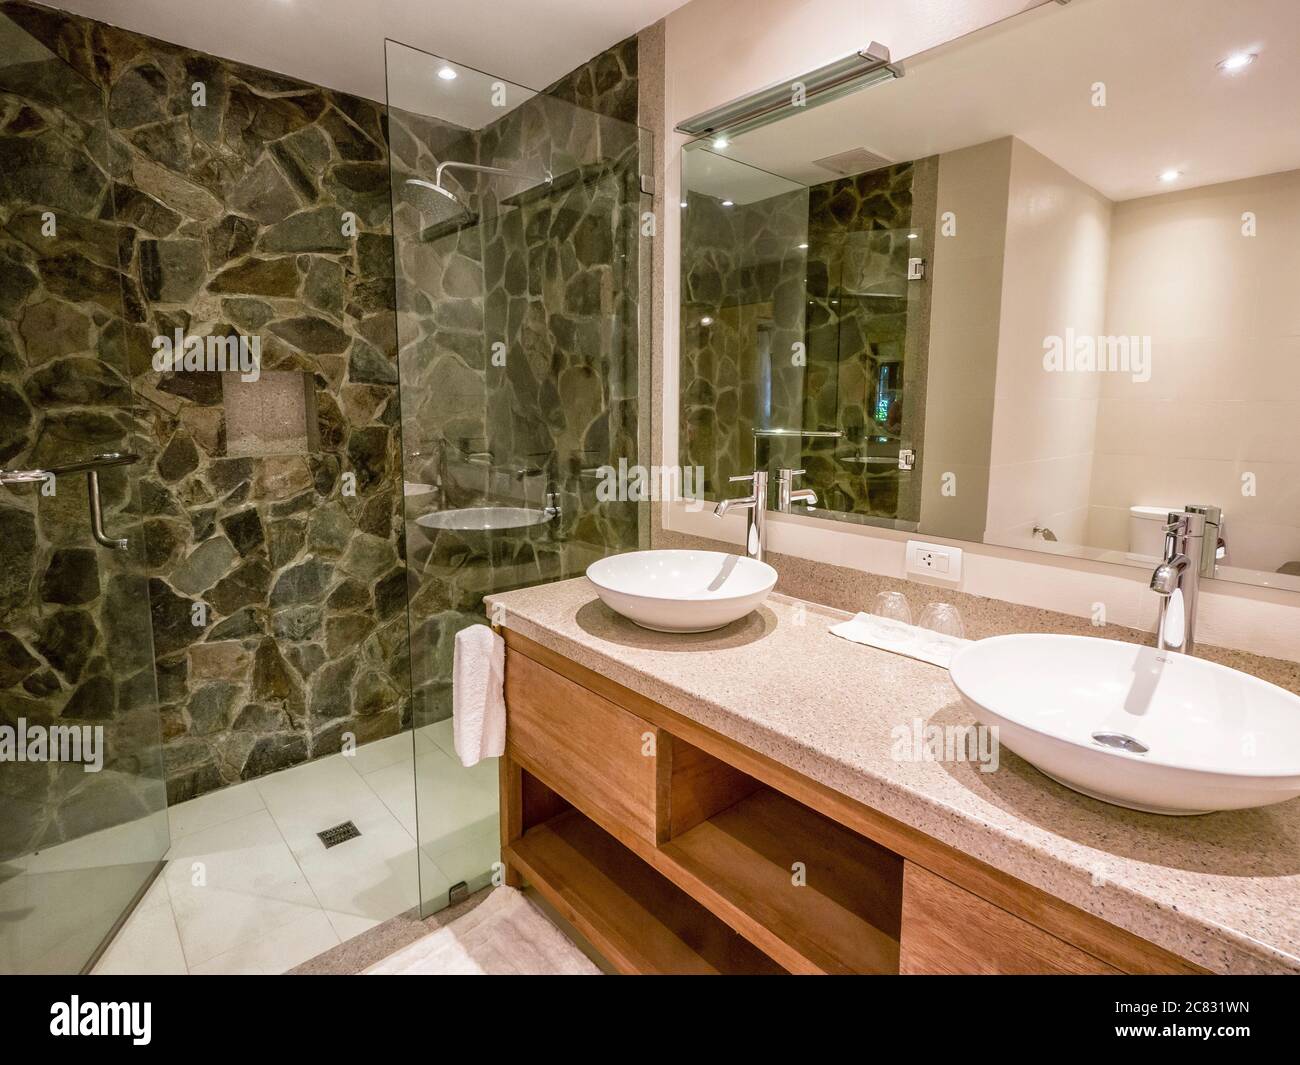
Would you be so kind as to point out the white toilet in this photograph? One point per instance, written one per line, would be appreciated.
(1146, 532)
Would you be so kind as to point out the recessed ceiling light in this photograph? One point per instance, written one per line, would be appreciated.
(728, 203)
(1170, 175)
(706, 320)
(683, 203)
(912, 236)
(803, 247)
(720, 142)
(1237, 61)
(447, 74)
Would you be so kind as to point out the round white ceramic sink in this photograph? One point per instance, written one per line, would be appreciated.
(1151, 730)
(481, 519)
(681, 591)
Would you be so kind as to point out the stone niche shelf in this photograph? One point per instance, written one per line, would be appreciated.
(674, 849)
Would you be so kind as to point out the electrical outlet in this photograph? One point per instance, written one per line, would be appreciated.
(934, 560)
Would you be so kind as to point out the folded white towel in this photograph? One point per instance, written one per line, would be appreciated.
(478, 698)
(924, 645)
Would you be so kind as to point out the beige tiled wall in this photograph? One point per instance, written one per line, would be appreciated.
(1044, 423)
(1224, 394)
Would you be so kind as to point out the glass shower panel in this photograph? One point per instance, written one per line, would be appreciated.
(745, 316)
(83, 822)
(867, 375)
(521, 255)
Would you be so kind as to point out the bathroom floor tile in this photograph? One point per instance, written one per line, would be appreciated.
(371, 877)
(148, 943)
(276, 952)
(215, 808)
(381, 753)
(233, 883)
(310, 798)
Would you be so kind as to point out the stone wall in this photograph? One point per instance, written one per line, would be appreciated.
(221, 219)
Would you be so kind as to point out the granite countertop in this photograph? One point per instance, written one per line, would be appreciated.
(1222, 890)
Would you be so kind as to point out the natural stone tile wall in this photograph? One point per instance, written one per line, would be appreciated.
(220, 219)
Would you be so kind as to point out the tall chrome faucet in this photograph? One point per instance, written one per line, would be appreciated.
(1187, 557)
(755, 505)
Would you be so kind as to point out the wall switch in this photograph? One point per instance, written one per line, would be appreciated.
(934, 560)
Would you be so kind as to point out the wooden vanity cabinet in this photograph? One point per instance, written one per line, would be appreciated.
(674, 849)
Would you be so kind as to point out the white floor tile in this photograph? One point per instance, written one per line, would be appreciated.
(442, 735)
(246, 885)
(215, 808)
(388, 751)
(148, 944)
(450, 796)
(309, 798)
(371, 877)
(276, 952)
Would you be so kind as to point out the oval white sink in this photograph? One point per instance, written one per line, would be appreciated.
(481, 519)
(681, 591)
(1081, 709)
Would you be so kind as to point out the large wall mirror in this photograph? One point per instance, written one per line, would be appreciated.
(1037, 291)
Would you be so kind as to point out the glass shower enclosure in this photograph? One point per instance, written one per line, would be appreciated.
(83, 821)
(521, 237)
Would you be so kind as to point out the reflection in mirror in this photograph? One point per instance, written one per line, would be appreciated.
(1043, 287)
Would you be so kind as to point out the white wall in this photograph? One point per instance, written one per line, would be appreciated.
(1224, 317)
(717, 50)
(1044, 424)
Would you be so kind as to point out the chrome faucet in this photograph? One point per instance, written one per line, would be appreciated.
(1176, 580)
(787, 494)
(755, 506)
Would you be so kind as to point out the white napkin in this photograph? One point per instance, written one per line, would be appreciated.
(478, 698)
(910, 640)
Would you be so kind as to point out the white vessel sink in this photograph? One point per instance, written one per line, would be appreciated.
(681, 591)
(1151, 730)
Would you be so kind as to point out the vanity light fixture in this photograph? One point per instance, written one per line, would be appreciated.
(1170, 175)
(447, 74)
(719, 143)
(792, 95)
(1237, 61)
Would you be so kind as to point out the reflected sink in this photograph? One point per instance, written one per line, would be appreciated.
(1151, 730)
(681, 591)
(481, 519)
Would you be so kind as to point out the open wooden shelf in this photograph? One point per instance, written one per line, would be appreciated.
(636, 918)
(844, 918)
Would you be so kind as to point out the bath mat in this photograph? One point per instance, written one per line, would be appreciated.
(504, 935)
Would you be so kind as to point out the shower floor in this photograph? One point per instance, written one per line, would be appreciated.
(250, 888)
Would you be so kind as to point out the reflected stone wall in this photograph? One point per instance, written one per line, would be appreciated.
(749, 293)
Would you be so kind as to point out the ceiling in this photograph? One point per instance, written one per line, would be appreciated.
(340, 43)
(1167, 104)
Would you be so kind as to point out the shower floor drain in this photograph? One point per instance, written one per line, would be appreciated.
(332, 837)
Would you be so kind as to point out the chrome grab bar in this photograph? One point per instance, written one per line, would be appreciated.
(91, 468)
(95, 462)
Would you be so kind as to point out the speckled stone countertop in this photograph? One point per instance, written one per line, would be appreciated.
(1222, 890)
